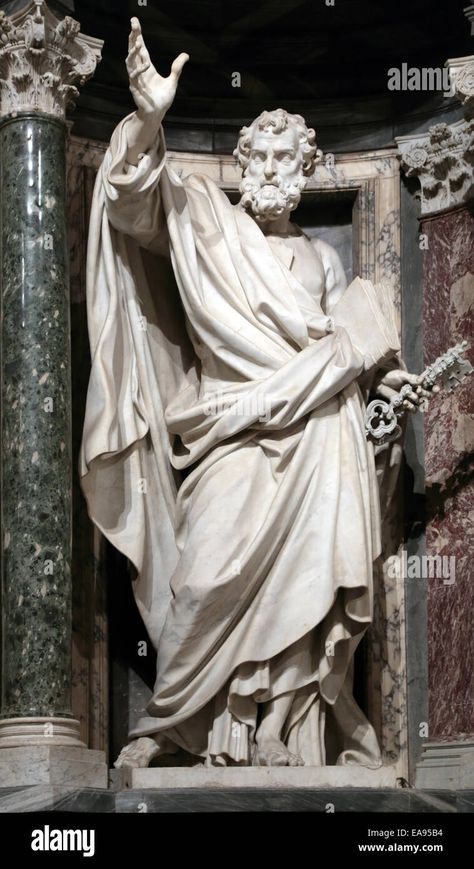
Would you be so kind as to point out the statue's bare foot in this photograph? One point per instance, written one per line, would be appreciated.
(271, 751)
(137, 754)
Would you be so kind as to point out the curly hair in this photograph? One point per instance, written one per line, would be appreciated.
(278, 121)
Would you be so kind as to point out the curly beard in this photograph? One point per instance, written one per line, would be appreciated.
(267, 201)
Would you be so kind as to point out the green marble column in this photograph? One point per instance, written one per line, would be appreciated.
(36, 419)
(40, 59)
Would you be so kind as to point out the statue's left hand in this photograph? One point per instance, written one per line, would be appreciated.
(391, 382)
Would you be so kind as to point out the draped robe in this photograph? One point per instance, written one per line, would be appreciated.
(253, 534)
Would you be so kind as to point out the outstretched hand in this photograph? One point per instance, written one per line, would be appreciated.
(153, 94)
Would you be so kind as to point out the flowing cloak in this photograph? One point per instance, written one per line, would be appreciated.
(224, 454)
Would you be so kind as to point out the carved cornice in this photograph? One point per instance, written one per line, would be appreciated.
(42, 59)
(443, 158)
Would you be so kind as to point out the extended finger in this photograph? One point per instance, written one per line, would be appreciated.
(178, 63)
(143, 49)
(134, 32)
(138, 52)
(413, 397)
(386, 392)
(424, 393)
(132, 57)
(415, 379)
(135, 73)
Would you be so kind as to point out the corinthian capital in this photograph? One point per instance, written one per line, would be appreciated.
(42, 59)
(443, 158)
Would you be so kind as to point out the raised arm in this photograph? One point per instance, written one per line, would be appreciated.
(153, 94)
(134, 161)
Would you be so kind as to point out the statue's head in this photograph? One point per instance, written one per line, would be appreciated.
(277, 153)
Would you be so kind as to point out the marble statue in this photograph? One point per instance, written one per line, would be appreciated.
(224, 449)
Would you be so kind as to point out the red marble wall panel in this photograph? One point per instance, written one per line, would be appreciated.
(449, 437)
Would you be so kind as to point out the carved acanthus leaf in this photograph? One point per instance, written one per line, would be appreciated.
(42, 59)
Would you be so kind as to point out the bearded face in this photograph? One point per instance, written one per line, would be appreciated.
(269, 201)
(273, 180)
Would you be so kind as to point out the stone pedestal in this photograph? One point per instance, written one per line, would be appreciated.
(442, 160)
(447, 765)
(40, 58)
(55, 765)
(201, 777)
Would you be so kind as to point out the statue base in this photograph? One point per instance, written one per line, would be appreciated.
(243, 777)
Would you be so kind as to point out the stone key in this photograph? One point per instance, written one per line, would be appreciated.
(381, 417)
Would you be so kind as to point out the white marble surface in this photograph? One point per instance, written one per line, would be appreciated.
(271, 777)
(55, 765)
(447, 765)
